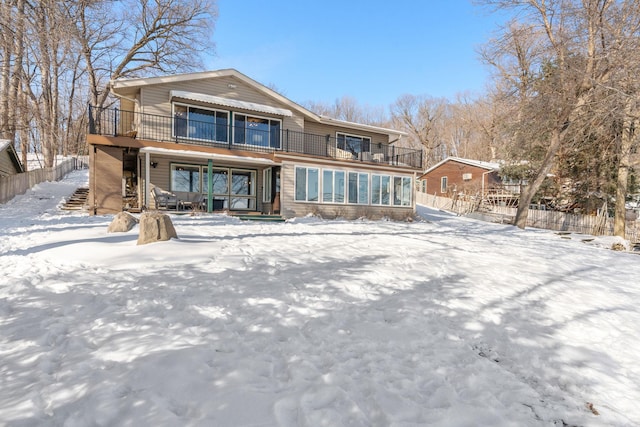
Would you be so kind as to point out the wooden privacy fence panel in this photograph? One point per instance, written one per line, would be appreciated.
(12, 185)
(549, 220)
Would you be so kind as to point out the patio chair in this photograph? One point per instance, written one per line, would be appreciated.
(338, 153)
(378, 157)
(164, 199)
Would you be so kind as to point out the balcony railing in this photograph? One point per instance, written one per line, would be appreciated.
(115, 122)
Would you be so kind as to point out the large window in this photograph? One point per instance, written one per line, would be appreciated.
(307, 184)
(353, 143)
(185, 178)
(358, 188)
(242, 189)
(232, 188)
(380, 189)
(257, 131)
(401, 191)
(332, 186)
(200, 123)
(354, 187)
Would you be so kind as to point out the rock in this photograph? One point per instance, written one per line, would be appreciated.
(618, 247)
(155, 227)
(122, 222)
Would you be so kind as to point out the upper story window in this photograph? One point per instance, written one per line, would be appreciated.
(200, 123)
(258, 131)
(353, 143)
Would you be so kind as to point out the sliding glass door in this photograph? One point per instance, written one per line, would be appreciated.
(233, 189)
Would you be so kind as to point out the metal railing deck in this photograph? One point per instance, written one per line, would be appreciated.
(115, 122)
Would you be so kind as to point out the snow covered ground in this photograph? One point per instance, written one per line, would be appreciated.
(444, 321)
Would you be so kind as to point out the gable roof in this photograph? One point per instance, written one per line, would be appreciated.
(121, 85)
(477, 163)
(6, 144)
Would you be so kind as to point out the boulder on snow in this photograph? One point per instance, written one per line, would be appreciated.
(122, 222)
(618, 247)
(155, 227)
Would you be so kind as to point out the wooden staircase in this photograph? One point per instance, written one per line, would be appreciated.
(77, 201)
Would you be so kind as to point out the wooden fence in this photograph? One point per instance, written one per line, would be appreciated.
(549, 220)
(12, 185)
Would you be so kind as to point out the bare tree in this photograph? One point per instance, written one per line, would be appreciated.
(57, 57)
(557, 65)
(348, 109)
(12, 26)
(421, 117)
(153, 36)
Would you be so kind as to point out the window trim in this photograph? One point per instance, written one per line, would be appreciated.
(217, 110)
(389, 201)
(233, 130)
(444, 183)
(306, 186)
(404, 198)
(172, 168)
(333, 186)
(358, 173)
(363, 137)
(267, 184)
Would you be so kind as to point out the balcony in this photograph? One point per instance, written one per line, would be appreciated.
(150, 127)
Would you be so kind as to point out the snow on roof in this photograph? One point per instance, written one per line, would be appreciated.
(233, 103)
(361, 126)
(203, 155)
(4, 143)
(470, 162)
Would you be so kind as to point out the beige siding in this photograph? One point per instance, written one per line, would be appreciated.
(106, 180)
(155, 100)
(291, 208)
(7, 167)
(323, 129)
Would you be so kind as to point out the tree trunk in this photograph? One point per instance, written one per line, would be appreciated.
(6, 53)
(624, 162)
(532, 188)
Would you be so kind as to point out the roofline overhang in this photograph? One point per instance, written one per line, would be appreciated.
(133, 83)
(228, 72)
(361, 126)
(463, 161)
(204, 155)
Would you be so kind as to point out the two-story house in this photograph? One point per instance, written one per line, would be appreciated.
(229, 143)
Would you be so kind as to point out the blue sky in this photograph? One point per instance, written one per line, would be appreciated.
(373, 51)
